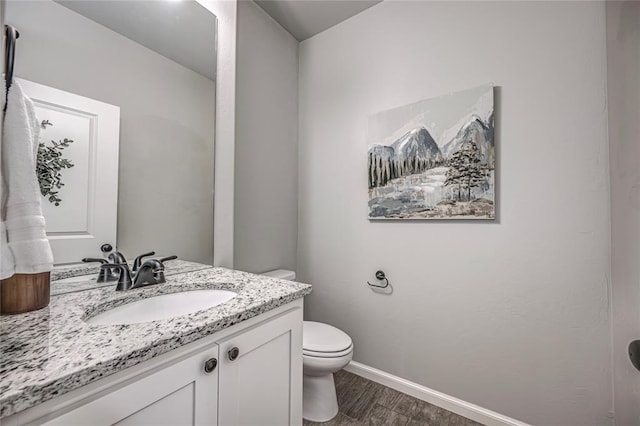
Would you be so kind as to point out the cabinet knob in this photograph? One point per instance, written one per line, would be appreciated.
(210, 365)
(233, 353)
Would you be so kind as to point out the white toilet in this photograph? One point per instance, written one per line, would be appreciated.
(325, 350)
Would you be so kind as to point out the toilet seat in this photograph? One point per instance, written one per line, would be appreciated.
(324, 341)
(317, 354)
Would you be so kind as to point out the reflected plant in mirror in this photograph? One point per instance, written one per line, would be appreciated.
(49, 166)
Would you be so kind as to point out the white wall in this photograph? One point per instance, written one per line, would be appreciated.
(511, 315)
(266, 155)
(165, 200)
(623, 78)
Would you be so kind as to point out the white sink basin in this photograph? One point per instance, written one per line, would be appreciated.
(162, 307)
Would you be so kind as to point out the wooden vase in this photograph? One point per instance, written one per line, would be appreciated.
(24, 293)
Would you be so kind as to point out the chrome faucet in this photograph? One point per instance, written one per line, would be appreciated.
(149, 273)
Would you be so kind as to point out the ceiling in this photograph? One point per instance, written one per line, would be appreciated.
(183, 31)
(306, 18)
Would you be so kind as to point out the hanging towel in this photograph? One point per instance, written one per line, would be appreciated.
(7, 264)
(25, 247)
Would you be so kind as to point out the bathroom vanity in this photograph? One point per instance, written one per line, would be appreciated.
(239, 362)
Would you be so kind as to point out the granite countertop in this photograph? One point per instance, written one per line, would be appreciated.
(52, 351)
(87, 273)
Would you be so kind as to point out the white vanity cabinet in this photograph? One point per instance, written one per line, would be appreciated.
(180, 394)
(257, 380)
(259, 374)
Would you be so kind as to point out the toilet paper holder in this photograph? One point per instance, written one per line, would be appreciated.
(380, 275)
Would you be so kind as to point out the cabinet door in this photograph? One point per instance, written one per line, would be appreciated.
(262, 384)
(181, 394)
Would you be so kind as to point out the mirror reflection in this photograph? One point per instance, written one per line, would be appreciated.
(125, 93)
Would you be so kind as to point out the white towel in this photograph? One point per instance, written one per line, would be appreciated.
(25, 247)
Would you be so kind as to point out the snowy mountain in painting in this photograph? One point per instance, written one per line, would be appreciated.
(413, 153)
(419, 144)
(478, 131)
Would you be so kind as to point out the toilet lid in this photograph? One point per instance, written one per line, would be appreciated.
(320, 337)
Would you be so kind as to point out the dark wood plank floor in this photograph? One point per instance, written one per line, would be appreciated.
(363, 402)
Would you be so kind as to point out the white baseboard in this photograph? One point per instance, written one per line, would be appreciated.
(455, 405)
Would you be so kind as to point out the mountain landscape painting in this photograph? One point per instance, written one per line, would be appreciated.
(434, 159)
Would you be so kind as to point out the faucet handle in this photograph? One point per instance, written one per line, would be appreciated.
(105, 274)
(124, 280)
(94, 259)
(164, 259)
(138, 262)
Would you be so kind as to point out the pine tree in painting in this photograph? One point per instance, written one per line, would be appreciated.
(465, 169)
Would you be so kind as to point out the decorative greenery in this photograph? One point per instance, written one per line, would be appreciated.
(49, 166)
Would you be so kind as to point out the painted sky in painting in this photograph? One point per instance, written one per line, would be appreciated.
(442, 116)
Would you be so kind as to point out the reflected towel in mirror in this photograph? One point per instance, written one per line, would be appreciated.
(25, 247)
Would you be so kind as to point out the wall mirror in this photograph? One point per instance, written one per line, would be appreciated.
(150, 66)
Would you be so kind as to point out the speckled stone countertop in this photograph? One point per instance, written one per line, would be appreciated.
(87, 273)
(52, 351)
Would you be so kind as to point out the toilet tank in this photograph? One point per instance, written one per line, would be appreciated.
(282, 274)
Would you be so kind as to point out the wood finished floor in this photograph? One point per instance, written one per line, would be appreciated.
(363, 402)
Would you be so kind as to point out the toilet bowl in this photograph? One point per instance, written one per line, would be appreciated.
(325, 350)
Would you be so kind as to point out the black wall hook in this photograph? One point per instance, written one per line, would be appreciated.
(11, 34)
(380, 276)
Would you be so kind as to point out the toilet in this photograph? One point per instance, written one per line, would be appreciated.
(325, 350)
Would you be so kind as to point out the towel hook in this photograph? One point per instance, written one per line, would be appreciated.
(11, 35)
(380, 276)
